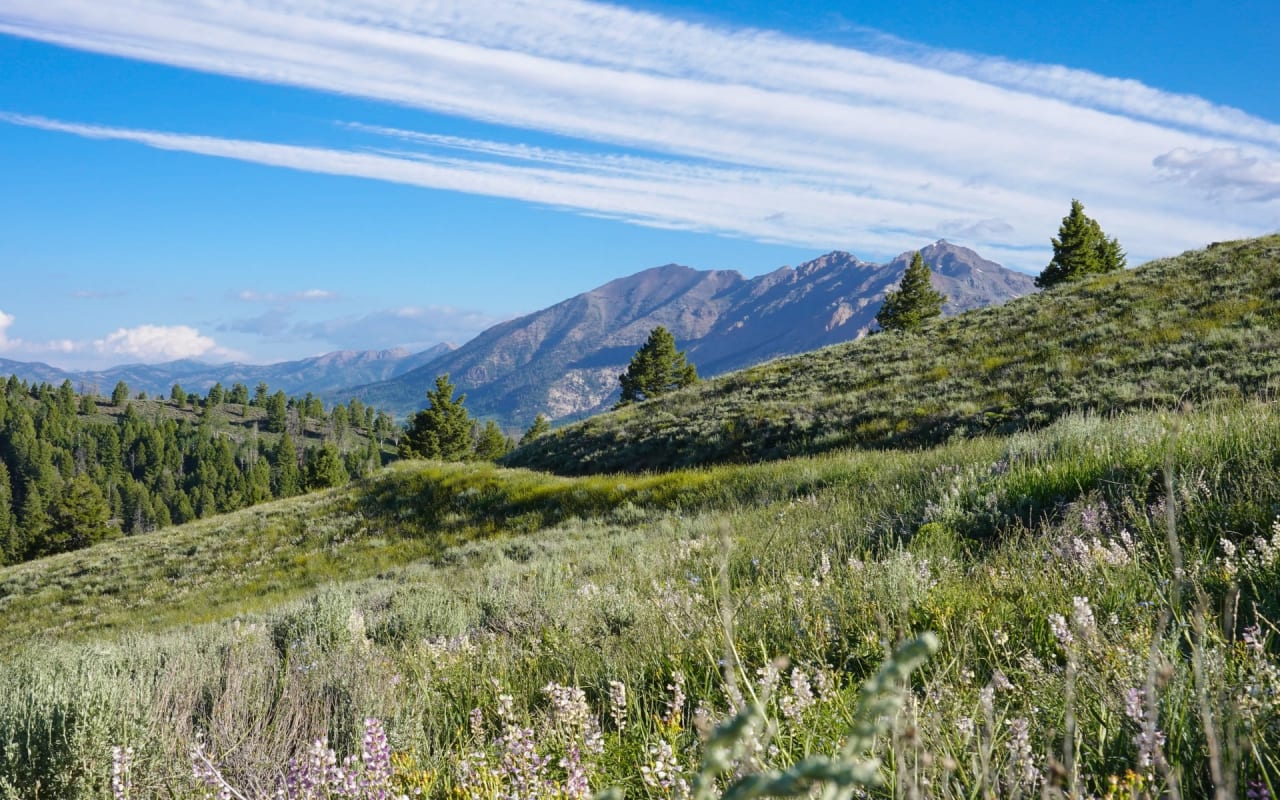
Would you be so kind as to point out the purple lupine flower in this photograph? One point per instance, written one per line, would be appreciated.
(121, 778)
(618, 705)
(376, 753)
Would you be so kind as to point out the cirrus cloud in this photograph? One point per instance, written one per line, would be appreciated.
(688, 126)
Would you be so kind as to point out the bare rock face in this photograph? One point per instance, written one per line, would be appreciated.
(564, 361)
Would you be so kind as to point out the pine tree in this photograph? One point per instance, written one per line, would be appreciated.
(286, 477)
(914, 301)
(442, 430)
(540, 426)
(11, 550)
(325, 468)
(492, 444)
(1080, 249)
(656, 369)
(277, 412)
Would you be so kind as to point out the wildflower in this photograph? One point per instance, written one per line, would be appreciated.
(576, 785)
(618, 705)
(506, 708)
(826, 685)
(767, 679)
(1022, 767)
(376, 756)
(121, 779)
(793, 705)
(1149, 740)
(1058, 624)
(521, 764)
(1228, 558)
(675, 705)
(1082, 617)
(663, 772)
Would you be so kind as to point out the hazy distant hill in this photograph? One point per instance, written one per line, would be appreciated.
(564, 361)
(327, 374)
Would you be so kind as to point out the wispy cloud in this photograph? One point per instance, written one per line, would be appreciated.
(89, 294)
(1224, 172)
(414, 327)
(744, 132)
(286, 298)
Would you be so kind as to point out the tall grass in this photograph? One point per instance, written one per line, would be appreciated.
(1042, 561)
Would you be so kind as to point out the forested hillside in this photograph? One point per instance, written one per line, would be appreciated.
(76, 469)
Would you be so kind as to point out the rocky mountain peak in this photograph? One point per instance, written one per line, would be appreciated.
(564, 361)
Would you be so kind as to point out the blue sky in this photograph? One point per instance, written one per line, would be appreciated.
(262, 180)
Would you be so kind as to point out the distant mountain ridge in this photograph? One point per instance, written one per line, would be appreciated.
(564, 361)
(326, 374)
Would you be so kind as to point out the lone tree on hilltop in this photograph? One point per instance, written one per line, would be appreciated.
(656, 368)
(1080, 249)
(442, 430)
(540, 426)
(914, 301)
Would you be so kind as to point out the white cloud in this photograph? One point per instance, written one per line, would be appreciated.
(5, 321)
(1223, 172)
(19, 348)
(145, 343)
(750, 133)
(156, 343)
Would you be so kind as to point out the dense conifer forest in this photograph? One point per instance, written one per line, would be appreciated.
(76, 469)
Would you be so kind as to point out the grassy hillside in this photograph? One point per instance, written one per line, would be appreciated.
(1203, 324)
(1104, 584)
(1043, 561)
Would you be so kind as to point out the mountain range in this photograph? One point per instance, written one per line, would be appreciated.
(326, 374)
(564, 361)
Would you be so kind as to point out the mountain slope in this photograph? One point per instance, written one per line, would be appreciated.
(1204, 324)
(564, 361)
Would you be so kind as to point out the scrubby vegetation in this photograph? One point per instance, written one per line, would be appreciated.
(1076, 640)
(1101, 591)
(1204, 324)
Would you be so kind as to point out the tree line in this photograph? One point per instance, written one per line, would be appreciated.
(76, 469)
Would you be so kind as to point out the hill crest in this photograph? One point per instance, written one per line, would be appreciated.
(563, 361)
